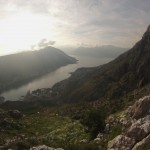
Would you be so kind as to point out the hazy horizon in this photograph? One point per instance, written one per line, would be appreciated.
(67, 49)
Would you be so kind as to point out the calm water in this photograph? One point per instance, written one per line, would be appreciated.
(50, 79)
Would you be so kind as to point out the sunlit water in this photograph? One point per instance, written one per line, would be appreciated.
(50, 79)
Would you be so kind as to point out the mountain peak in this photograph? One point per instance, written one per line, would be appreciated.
(148, 29)
(147, 34)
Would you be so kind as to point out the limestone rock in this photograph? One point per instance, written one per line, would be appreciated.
(141, 108)
(144, 143)
(44, 147)
(135, 122)
(139, 129)
(84, 141)
(121, 142)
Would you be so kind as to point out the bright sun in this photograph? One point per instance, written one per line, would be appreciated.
(23, 30)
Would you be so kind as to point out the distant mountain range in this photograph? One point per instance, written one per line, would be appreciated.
(105, 51)
(20, 68)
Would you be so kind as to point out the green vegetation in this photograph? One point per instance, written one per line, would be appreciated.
(94, 121)
(45, 128)
(116, 130)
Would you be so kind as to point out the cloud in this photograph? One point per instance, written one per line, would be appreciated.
(88, 21)
(44, 43)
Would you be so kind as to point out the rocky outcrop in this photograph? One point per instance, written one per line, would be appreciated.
(142, 144)
(136, 133)
(121, 142)
(44, 147)
(141, 108)
(139, 129)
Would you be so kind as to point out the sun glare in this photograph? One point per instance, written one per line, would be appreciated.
(20, 31)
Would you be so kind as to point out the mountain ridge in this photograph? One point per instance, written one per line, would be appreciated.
(17, 69)
(108, 51)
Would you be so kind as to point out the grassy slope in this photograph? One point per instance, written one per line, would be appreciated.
(45, 128)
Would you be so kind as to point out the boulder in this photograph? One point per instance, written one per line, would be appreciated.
(135, 123)
(121, 142)
(141, 108)
(139, 129)
(100, 135)
(16, 114)
(107, 128)
(84, 141)
(42, 147)
(97, 140)
(142, 144)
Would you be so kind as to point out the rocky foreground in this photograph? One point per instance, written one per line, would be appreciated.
(126, 130)
(135, 123)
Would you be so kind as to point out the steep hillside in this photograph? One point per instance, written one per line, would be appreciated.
(17, 69)
(128, 72)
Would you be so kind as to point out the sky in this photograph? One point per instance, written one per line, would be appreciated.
(33, 24)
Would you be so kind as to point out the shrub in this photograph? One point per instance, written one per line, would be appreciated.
(95, 122)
